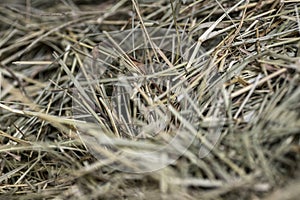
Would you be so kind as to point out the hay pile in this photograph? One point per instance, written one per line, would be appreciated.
(213, 114)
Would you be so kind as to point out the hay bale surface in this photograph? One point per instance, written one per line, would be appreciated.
(229, 96)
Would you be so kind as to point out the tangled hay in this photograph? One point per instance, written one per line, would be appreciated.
(149, 99)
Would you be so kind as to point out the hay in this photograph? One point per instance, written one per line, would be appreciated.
(202, 103)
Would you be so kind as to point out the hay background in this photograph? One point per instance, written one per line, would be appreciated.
(42, 156)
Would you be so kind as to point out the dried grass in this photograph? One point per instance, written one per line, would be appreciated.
(61, 137)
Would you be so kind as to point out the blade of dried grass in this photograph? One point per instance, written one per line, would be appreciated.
(205, 35)
(263, 80)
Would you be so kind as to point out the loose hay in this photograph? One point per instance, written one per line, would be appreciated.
(244, 141)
